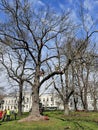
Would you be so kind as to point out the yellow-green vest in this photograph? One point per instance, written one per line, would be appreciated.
(8, 112)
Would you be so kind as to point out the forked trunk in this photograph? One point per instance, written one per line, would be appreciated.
(35, 113)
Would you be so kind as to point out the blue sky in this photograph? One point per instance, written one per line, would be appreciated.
(90, 8)
(90, 5)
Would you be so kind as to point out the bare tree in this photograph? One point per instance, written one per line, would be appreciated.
(83, 69)
(33, 31)
(78, 71)
(93, 90)
(15, 65)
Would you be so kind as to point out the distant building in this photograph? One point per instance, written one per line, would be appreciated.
(11, 101)
(51, 100)
(48, 100)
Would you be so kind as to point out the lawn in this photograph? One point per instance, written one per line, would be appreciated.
(76, 121)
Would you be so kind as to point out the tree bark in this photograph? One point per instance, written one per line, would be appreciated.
(35, 102)
(20, 98)
(66, 109)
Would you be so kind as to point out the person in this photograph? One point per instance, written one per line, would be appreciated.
(4, 115)
(41, 109)
(8, 113)
(1, 113)
(15, 113)
(42, 72)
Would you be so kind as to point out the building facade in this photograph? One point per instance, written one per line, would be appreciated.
(48, 100)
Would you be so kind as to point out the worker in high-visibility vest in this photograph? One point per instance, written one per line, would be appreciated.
(8, 113)
(4, 115)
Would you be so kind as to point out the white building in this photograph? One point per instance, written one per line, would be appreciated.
(11, 101)
(49, 100)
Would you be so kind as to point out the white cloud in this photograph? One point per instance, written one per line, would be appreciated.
(96, 1)
(37, 2)
(41, 3)
(88, 4)
(88, 21)
(70, 1)
(74, 16)
(62, 6)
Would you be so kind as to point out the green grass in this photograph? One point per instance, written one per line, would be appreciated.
(57, 121)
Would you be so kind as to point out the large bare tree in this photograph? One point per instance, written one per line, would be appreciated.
(33, 31)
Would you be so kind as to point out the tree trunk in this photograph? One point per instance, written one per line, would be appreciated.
(35, 102)
(35, 113)
(85, 99)
(95, 104)
(85, 91)
(66, 109)
(75, 104)
(20, 99)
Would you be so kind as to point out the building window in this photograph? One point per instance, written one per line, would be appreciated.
(71, 104)
(47, 99)
(51, 99)
(27, 99)
(43, 99)
(39, 100)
